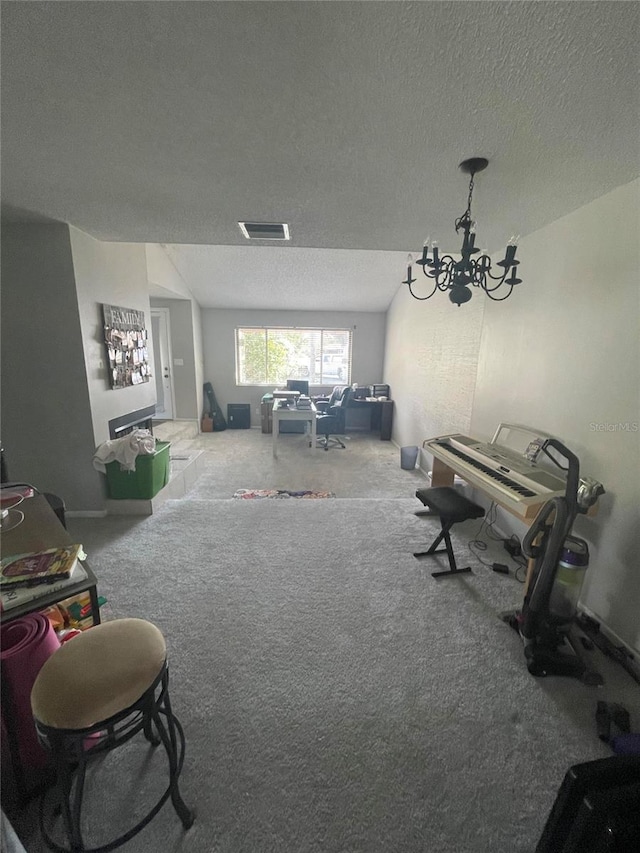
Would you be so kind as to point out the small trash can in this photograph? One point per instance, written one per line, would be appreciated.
(408, 457)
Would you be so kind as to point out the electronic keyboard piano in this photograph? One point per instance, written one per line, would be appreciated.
(506, 477)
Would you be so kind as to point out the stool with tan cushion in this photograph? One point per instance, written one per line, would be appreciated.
(92, 695)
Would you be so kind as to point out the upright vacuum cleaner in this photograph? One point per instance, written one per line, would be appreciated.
(549, 607)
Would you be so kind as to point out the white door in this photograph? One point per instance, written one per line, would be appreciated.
(160, 332)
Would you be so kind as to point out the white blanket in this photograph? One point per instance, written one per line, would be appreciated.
(124, 450)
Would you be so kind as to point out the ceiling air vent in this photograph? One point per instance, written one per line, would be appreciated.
(265, 230)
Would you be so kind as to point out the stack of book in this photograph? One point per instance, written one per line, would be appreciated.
(25, 577)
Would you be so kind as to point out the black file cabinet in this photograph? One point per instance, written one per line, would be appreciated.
(239, 415)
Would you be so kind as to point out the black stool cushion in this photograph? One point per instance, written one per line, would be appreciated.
(448, 503)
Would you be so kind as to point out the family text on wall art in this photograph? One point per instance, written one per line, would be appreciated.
(127, 346)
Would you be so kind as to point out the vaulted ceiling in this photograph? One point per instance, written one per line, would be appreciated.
(167, 122)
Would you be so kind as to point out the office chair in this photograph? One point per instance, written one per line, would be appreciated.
(330, 423)
(324, 403)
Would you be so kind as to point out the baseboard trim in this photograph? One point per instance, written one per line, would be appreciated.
(85, 513)
(609, 633)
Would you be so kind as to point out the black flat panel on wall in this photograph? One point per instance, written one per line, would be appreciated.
(140, 419)
(239, 415)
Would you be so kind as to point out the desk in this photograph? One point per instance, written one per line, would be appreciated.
(40, 530)
(380, 414)
(284, 413)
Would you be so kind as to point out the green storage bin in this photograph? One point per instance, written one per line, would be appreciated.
(151, 475)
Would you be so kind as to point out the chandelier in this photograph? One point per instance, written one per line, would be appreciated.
(456, 277)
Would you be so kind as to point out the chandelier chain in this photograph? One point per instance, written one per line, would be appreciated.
(468, 211)
(465, 219)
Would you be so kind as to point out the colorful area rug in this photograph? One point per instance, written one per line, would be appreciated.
(248, 494)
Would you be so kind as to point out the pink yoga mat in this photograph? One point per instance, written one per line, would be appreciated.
(25, 644)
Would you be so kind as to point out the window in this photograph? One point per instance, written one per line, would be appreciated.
(271, 356)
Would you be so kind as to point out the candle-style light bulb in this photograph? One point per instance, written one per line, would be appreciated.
(513, 240)
(409, 279)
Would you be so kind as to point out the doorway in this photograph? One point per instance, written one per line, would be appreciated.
(163, 364)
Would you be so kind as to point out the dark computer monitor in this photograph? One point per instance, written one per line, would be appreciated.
(301, 385)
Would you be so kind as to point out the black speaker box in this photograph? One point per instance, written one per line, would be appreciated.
(239, 415)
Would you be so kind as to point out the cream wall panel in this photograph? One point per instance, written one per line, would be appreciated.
(430, 362)
(563, 355)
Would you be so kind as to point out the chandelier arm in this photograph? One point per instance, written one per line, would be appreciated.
(479, 275)
(498, 278)
(445, 266)
(498, 298)
(495, 287)
(443, 261)
(423, 298)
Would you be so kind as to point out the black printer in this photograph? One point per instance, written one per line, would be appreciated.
(380, 391)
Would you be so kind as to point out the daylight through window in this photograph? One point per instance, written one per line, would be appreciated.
(271, 356)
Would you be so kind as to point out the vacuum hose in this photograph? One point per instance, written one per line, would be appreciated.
(564, 510)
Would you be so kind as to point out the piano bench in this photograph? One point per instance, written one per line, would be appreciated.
(451, 507)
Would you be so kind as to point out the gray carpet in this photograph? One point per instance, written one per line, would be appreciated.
(335, 697)
(242, 459)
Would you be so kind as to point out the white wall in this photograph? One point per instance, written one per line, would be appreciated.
(562, 354)
(198, 354)
(219, 347)
(115, 274)
(182, 350)
(169, 290)
(431, 362)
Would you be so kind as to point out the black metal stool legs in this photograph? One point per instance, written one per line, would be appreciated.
(448, 550)
(169, 734)
(150, 735)
(70, 776)
(71, 803)
(72, 750)
(451, 508)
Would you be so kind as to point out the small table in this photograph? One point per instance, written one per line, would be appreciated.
(283, 412)
(40, 530)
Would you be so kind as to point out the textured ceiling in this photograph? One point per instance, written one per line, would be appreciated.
(169, 122)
